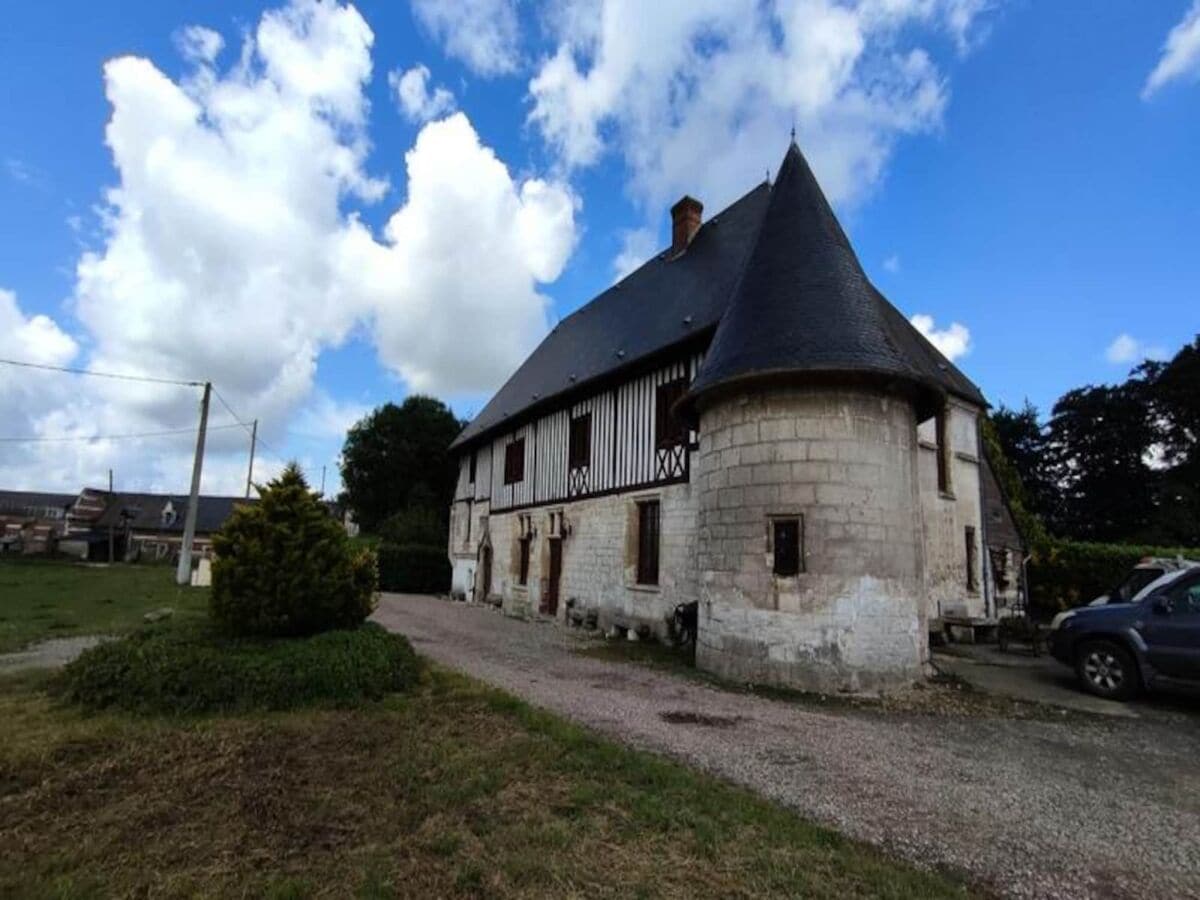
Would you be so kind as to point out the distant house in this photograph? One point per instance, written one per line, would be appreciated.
(143, 526)
(32, 522)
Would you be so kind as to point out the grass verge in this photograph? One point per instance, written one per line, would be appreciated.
(41, 599)
(452, 790)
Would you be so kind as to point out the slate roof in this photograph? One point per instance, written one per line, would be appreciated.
(804, 306)
(777, 277)
(663, 303)
(144, 512)
(18, 502)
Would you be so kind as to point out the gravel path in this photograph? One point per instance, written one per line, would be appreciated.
(49, 654)
(1028, 807)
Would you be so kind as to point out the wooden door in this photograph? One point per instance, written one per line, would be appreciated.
(555, 576)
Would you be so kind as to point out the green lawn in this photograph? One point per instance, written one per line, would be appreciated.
(42, 599)
(455, 790)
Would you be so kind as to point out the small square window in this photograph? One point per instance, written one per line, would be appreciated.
(787, 545)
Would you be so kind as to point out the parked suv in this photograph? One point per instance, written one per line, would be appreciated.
(1120, 648)
(1147, 570)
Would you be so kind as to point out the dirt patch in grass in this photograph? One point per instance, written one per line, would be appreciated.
(456, 790)
(50, 599)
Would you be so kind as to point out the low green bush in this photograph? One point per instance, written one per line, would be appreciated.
(1063, 574)
(413, 568)
(284, 566)
(187, 669)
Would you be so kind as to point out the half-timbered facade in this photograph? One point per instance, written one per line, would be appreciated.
(745, 422)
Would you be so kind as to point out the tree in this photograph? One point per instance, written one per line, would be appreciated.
(1099, 441)
(284, 566)
(1023, 441)
(397, 458)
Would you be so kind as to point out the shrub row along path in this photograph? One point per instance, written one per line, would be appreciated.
(1028, 807)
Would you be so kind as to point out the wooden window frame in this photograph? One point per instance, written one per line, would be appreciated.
(514, 462)
(780, 567)
(945, 481)
(972, 548)
(523, 569)
(649, 541)
(669, 430)
(579, 442)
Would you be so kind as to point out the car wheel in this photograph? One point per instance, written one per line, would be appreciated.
(1107, 670)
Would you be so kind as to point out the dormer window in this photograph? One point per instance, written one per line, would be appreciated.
(169, 515)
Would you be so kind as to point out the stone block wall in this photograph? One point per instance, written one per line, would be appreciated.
(846, 461)
(599, 558)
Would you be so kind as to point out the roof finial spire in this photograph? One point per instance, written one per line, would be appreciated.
(793, 130)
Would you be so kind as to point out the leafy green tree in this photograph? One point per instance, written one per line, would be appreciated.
(397, 457)
(1173, 388)
(1099, 442)
(1022, 439)
(285, 567)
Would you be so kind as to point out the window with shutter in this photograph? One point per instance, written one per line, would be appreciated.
(648, 539)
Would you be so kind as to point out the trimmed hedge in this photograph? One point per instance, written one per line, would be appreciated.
(186, 669)
(413, 568)
(1063, 574)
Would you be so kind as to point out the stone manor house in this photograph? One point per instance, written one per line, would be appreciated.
(746, 422)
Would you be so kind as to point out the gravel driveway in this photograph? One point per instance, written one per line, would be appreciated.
(1027, 807)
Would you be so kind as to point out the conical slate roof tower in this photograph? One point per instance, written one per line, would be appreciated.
(804, 307)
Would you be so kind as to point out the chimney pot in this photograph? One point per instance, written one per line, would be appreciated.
(685, 222)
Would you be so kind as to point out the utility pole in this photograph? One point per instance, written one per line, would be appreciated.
(322, 482)
(110, 528)
(183, 574)
(253, 441)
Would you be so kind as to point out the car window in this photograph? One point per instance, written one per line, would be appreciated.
(1134, 582)
(1185, 597)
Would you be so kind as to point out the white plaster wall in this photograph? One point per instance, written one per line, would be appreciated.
(947, 516)
(846, 461)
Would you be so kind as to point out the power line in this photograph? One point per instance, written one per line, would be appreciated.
(229, 409)
(110, 437)
(71, 371)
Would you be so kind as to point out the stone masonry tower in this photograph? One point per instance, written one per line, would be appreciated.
(810, 547)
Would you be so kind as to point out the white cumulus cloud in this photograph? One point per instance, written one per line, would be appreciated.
(1180, 53)
(230, 250)
(698, 97)
(482, 34)
(952, 342)
(416, 100)
(1127, 349)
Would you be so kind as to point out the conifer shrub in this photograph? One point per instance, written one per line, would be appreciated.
(285, 567)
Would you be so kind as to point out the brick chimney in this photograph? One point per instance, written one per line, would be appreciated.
(685, 222)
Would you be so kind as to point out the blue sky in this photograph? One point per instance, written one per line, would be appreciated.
(1012, 171)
